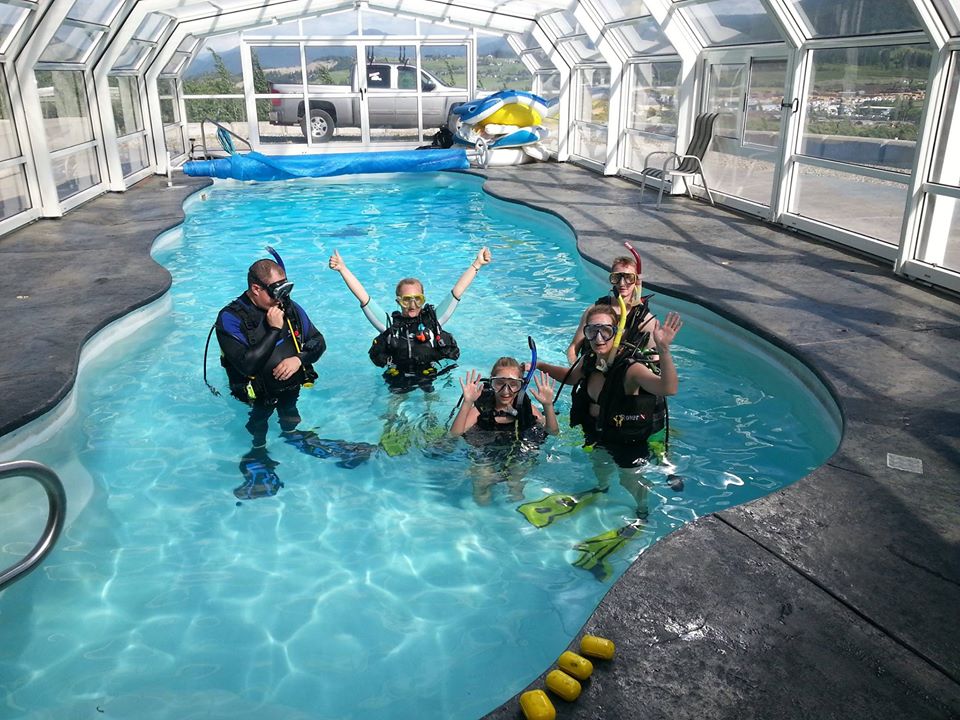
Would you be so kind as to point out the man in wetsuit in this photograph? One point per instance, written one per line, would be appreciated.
(268, 347)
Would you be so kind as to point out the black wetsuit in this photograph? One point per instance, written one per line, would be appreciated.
(625, 422)
(413, 347)
(251, 349)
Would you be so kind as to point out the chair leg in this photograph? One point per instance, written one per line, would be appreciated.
(707, 188)
(663, 182)
(643, 187)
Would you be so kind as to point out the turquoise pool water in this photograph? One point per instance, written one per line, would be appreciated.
(380, 591)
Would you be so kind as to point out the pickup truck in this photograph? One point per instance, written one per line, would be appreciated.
(391, 96)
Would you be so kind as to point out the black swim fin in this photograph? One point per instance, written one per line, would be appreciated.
(348, 454)
(259, 479)
(544, 511)
(595, 551)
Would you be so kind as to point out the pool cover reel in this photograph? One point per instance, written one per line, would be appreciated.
(254, 166)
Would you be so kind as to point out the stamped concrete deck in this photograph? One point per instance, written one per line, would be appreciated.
(836, 597)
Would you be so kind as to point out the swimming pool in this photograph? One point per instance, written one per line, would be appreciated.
(382, 590)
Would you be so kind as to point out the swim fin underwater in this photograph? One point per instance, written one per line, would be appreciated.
(544, 511)
(595, 551)
(259, 479)
(348, 454)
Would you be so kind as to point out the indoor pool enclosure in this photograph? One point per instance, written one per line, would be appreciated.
(372, 565)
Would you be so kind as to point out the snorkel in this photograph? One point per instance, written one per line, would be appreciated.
(532, 370)
(621, 324)
(636, 258)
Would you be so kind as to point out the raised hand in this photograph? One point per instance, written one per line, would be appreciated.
(667, 331)
(471, 386)
(336, 262)
(483, 257)
(544, 388)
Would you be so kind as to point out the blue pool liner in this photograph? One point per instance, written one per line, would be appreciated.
(254, 166)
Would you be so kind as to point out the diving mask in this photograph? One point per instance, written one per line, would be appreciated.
(280, 290)
(623, 277)
(602, 330)
(411, 300)
(506, 383)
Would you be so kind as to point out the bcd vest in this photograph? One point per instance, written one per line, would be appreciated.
(413, 344)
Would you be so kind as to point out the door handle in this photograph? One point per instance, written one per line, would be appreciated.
(794, 105)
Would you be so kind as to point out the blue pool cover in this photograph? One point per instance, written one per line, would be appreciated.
(254, 166)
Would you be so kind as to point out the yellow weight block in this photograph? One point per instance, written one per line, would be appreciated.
(537, 706)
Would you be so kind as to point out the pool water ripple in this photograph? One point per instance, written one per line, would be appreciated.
(383, 590)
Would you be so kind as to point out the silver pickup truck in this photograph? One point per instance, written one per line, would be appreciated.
(391, 96)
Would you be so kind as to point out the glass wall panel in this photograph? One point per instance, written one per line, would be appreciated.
(940, 239)
(836, 18)
(14, 197)
(946, 169)
(865, 104)
(133, 154)
(762, 123)
(740, 171)
(733, 22)
(594, 87)
(591, 142)
(853, 202)
(547, 86)
(169, 107)
(727, 86)
(334, 98)
(276, 64)
(125, 100)
(231, 113)
(652, 105)
(501, 69)
(614, 10)
(173, 136)
(75, 172)
(9, 142)
(639, 146)
(63, 101)
(392, 101)
(69, 45)
(644, 37)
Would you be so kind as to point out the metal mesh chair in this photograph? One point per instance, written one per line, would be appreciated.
(686, 166)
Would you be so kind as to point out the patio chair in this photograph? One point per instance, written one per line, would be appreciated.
(686, 166)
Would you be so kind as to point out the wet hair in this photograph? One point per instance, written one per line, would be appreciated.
(408, 281)
(624, 260)
(258, 273)
(506, 362)
(595, 310)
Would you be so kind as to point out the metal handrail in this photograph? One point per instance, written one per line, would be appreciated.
(57, 501)
(231, 133)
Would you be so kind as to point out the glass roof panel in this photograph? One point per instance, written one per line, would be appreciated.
(836, 18)
(287, 29)
(188, 44)
(435, 29)
(644, 37)
(561, 23)
(950, 14)
(131, 57)
(152, 27)
(732, 22)
(95, 11)
(375, 23)
(584, 50)
(540, 58)
(69, 45)
(10, 18)
(336, 24)
(613, 10)
(175, 65)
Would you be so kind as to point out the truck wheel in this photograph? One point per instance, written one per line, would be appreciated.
(321, 125)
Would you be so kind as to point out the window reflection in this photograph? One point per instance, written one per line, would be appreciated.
(125, 100)
(836, 18)
(733, 22)
(63, 101)
(865, 104)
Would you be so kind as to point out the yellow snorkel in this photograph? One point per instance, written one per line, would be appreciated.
(622, 324)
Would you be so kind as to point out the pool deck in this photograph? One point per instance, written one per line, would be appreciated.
(828, 599)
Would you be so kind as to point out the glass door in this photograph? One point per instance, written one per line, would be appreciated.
(743, 161)
(335, 93)
(393, 99)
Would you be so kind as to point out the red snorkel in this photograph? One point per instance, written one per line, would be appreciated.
(636, 257)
